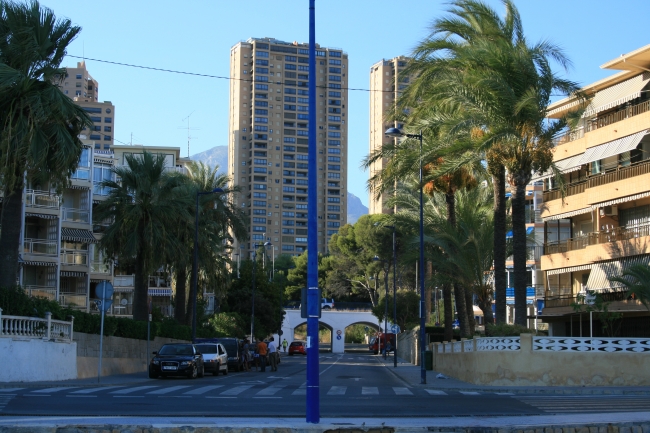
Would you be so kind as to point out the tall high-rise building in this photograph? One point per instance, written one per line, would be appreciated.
(386, 84)
(82, 88)
(268, 146)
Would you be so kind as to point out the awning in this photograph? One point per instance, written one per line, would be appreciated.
(72, 274)
(82, 187)
(77, 235)
(564, 107)
(103, 161)
(566, 165)
(602, 272)
(122, 289)
(621, 200)
(618, 94)
(612, 148)
(160, 292)
(567, 214)
(34, 263)
(567, 270)
(41, 215)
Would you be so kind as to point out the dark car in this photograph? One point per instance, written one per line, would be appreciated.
(177, 360)
(234, 348)
(299, 347)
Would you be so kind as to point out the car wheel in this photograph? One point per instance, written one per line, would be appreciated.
(193, 372)
(152, 374)
(202, 371)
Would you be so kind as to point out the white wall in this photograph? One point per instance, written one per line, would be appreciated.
(31, 360)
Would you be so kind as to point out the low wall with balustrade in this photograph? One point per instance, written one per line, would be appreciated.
(35, 349)
(546, 361)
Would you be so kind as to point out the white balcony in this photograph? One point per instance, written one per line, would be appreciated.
(100, 268)
(48, 292)
(123, 280)
(35, 198)
(76, 215)
(40, 247)
(74, 258)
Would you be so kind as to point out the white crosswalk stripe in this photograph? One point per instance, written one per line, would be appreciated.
(236, 390)
(9, 390)
(402, 391)
(300, 391)
(469, 392)
(337, 390)
(271, 390)
(91, 390)
(369, 390)
(131, 390)
(202, 390)
(168, 390)
(5, 399)
(50, 390)
(435, 392)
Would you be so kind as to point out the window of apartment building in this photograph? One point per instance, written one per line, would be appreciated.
(263, 54)
(334, 158)
(262, 62)
(108, 129)
(95, 137)
(259, 203)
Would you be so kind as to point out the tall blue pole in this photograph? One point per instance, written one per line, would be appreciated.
(313, 298)
(423, 334)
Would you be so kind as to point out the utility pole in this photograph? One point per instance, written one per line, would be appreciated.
(188, 132)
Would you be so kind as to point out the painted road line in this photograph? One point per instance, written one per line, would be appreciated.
(135, 389)
(337, 390)
(271, 390)
(402, 391)
(469, 392)
(369, 390)
(9, 390)
(202, 390)
(168, 390)
(49, 390)
(236, 390)
(91, 390)
(435, 392)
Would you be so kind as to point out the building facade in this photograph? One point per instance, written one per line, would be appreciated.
(268, 148)
(386, 84)
(601, 225)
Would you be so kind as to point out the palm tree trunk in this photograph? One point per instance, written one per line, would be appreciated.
(449, 312)
(427, 292)
(459, 291)
(485, 304)
(11, 223)
(500, 277)
(189, 311)
(141, 288)
(469, 301)
(519, 249)
(181, 294)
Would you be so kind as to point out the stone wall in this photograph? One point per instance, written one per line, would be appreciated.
(121, 355)
(33, 359)
(407, 344)
(528, 367)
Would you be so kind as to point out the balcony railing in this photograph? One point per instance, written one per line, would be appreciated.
(571, 190)
(595, 238)
(74, 258)
(32, 327)
(100, 267)
(620, 173)
(123, 280)
(82, 173)
(534, 252)
(121, 310)
(73, 300)
(569, 136)
(76, 215)
(48, 292)
(39, 247)
(44, 199)
(533, 216)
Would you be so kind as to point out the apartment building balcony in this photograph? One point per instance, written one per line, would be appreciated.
(100, 268)
(78, 216)
(47, 292)
(74, 258)
(40, 247)
(41, 199)
(77, 301)
(534, 253)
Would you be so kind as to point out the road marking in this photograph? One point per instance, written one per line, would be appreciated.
(63, 388)
(469, 392)
(37, 395)
(5, 399)
(504, 393)
(402, 391)
(168, 390)
(130, 390)
(202, 390)
(91, 390)
(271, 390)
(8, 390)
(302, 390)
(337, 390)
(236, 390)
(435, 392)
(219, 397)
(128, 396)
(267, 397)
(369, 390)
(80, 396)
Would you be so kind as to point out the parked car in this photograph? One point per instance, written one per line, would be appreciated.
(234, 348)
(326, 304)
(299, 347)
(215, 357)
(177, 360)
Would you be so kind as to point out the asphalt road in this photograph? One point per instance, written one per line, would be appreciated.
(351, 385)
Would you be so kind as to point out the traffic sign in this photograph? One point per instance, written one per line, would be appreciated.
(103, 305)
(395, 329)
(104, 290)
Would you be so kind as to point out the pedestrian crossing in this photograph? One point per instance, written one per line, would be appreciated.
(5, 399)
(587, 403)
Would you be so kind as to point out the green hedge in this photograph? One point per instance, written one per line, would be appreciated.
(15, 302)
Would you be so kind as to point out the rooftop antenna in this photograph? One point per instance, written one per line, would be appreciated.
(188, 131)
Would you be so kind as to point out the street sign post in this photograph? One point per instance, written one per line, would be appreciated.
(104, 293)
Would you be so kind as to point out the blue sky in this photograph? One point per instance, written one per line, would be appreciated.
(196, 36)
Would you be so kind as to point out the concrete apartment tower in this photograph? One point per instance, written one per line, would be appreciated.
(268, 142)
(386, 84)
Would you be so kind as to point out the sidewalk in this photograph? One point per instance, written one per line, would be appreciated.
(412, 375)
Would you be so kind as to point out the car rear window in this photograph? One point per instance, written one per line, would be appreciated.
(207, 348)
(295, 343)
(231, 347)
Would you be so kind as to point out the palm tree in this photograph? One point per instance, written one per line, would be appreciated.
(39, 125)
(146, 204)
(636, 279)
(479, 70)
(218, 219)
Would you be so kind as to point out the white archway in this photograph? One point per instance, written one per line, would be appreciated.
(337, 321)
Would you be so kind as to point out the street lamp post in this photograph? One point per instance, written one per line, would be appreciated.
(253, 294)
(195, 262)
(376, 258)
(269, 244)
(394, 292)
(396, 133)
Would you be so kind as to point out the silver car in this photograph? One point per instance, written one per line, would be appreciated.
(215, 358)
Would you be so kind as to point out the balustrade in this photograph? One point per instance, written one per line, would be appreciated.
(48, 292)
(39, 247)
(74, 258)
(76, 215)
(33, 327)
(44, 199)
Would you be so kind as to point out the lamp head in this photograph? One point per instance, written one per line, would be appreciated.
(217, 190)
(376, 258)
(394, 133)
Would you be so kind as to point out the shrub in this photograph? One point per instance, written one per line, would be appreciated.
(506, 330)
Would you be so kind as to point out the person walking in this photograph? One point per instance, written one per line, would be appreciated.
(246, 354)
(284, 345)
(272, 349)
(262, 351)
